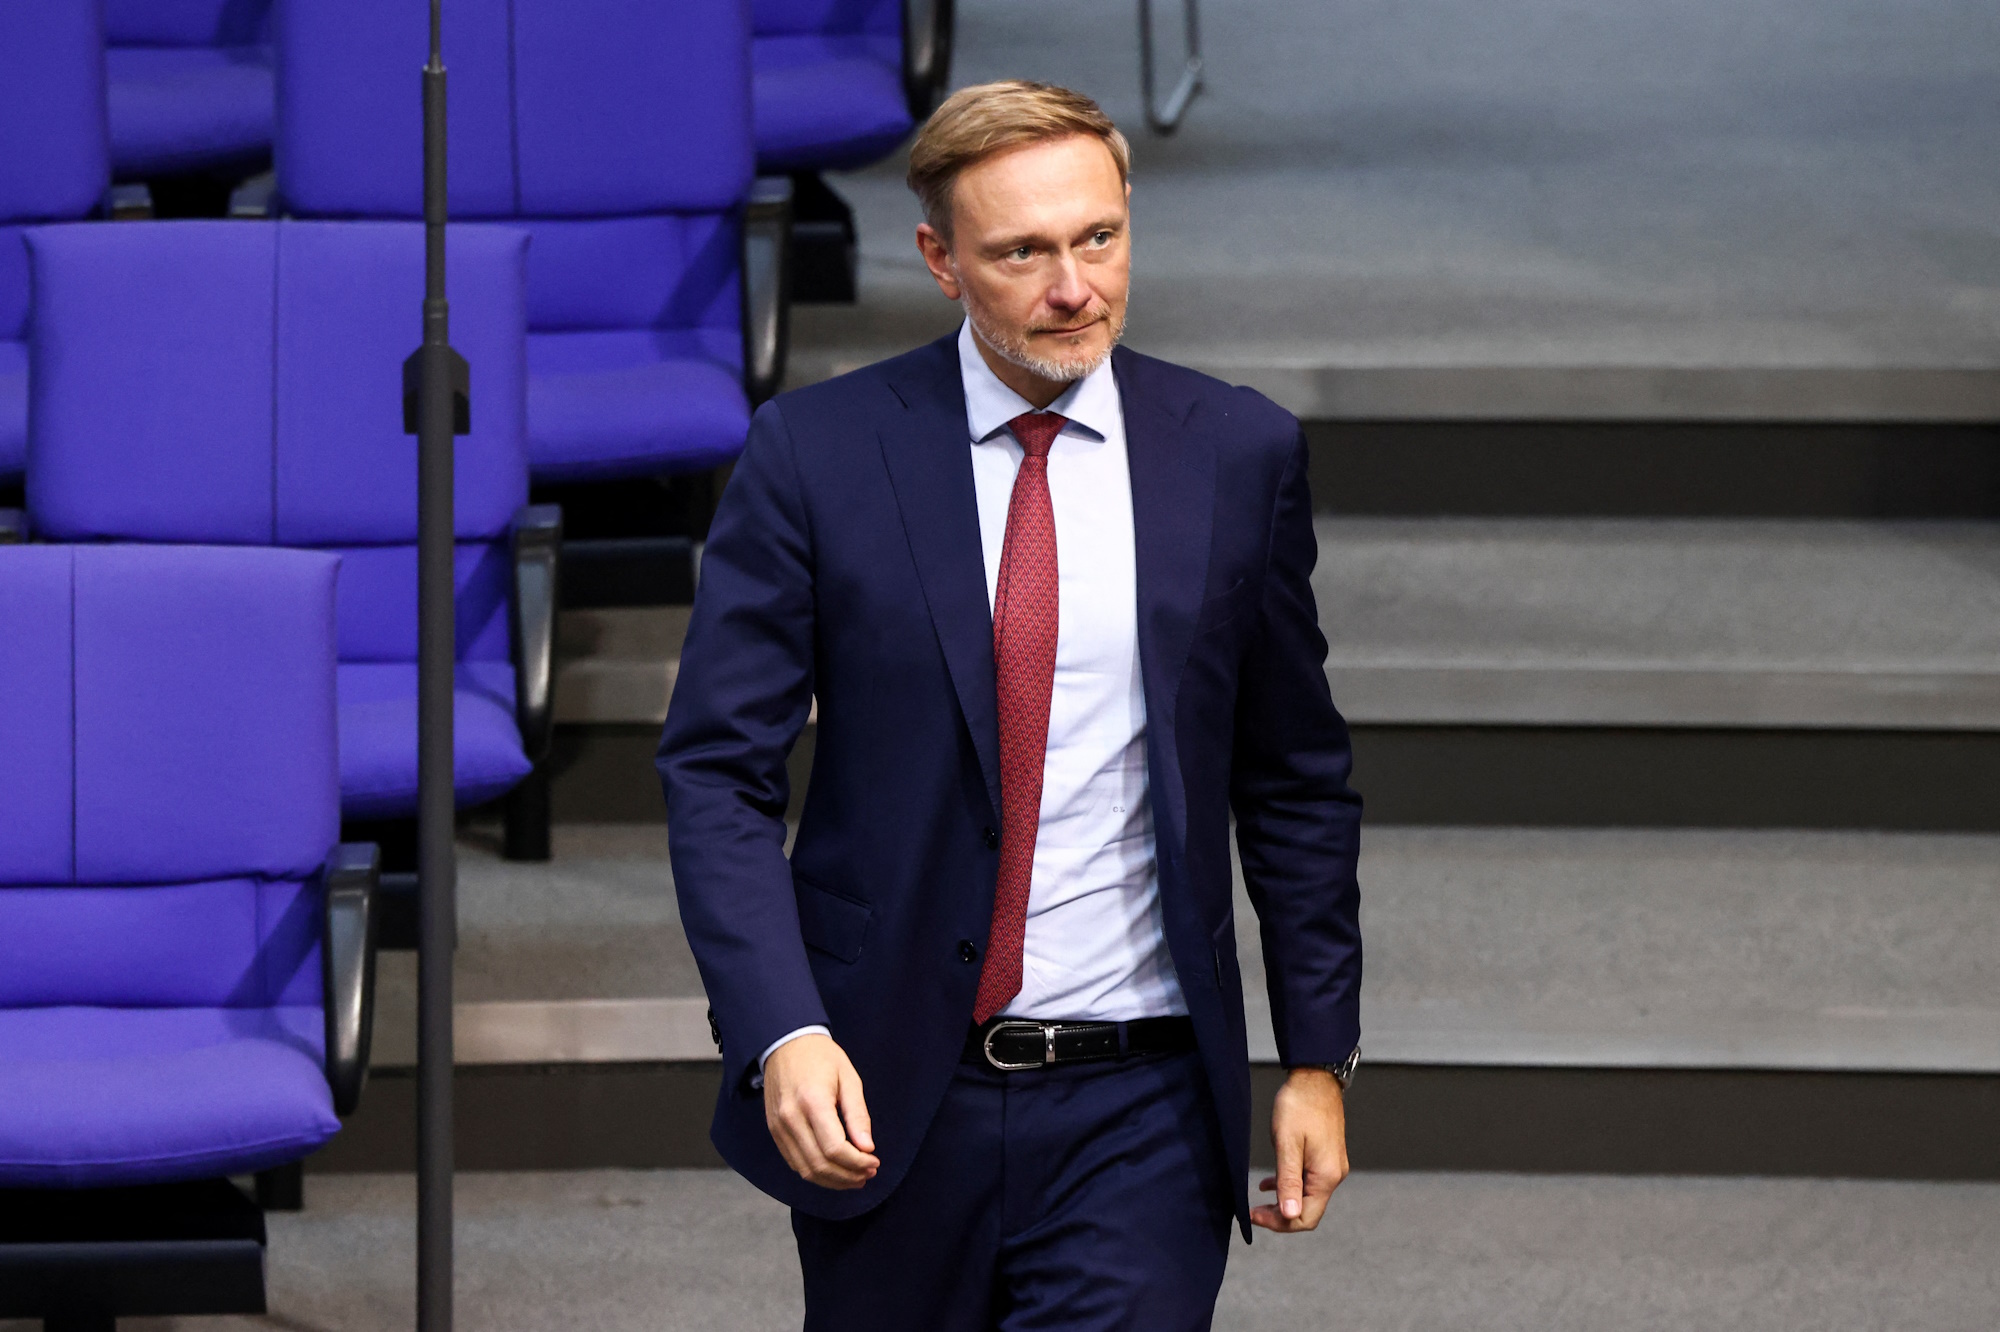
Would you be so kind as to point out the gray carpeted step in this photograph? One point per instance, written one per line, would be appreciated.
(1680, 949)
(1662, 622)
(1572, 622)
(662, 1251)
(1685, 949)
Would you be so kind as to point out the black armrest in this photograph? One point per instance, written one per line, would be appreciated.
(13, 527)
(347, 964)
(767, 285)
(254, 197)
(537, 574)
(926, 54)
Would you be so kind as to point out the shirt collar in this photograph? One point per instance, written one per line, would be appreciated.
(1091, 402)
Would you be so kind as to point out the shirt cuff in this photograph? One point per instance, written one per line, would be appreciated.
(757, 1082)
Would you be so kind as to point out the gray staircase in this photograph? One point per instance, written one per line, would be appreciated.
(1650, 374)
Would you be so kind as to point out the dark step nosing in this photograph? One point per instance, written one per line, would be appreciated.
(635, 690)
(1312, 387)
(1829, 393)
(1615, 694)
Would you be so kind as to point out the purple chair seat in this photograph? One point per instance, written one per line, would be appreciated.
(378, 718)
(101, 1095)
(598, 402)
(827, 101)
(177, 108)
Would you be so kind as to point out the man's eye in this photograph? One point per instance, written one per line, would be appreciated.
(1021, 252)
(1101, 238)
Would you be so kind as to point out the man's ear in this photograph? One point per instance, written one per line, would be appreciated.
(937, 257)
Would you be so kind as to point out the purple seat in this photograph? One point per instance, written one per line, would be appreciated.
(828, 83)
(239, 382)
(617, 133)
(168, 768)
(191, 84)
(54, 165)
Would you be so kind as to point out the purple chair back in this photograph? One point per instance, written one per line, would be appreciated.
(233, 382)
(801, 18)
(55, 162)
(55, 157)
(187, 22)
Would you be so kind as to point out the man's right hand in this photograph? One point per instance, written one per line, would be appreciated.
(812, 1102)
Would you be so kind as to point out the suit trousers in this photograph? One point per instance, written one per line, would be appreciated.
(1085, 1197)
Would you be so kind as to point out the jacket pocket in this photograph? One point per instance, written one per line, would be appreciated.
(830, 923)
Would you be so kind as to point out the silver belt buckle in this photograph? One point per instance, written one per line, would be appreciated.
(1048, 1033)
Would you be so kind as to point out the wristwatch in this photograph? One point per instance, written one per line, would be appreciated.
(1343, 1072)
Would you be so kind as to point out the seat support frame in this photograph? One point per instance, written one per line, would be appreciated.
(1165, 116)
(83, 1258)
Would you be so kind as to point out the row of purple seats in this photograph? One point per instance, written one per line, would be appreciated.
(617, 134)
(837, 82)
(239, 383)
(186, 953)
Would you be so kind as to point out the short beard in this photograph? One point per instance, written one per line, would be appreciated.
(1012, 347)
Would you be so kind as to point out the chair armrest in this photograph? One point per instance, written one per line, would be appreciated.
(927, 28)
(347, 963)
(767, 285)
(537, 542)
(13, 527)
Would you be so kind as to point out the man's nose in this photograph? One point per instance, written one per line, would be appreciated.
(1069, 291)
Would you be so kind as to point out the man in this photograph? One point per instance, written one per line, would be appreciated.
(984, 1031)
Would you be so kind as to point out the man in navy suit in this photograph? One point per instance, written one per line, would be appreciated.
(983, 1030)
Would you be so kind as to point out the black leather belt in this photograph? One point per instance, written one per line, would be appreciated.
(1014, 1045)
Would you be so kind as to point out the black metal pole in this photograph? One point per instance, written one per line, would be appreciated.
(437, 869)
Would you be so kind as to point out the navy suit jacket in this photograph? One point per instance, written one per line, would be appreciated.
(844, 563)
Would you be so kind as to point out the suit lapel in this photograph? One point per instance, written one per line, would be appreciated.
(1173, 512)
(930, 467)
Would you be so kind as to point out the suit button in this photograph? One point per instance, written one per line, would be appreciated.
(966, 952)
(991, 838)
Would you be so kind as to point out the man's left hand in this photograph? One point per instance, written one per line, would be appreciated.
(1309, 1129)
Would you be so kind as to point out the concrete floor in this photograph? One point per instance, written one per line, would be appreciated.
(1413, 208)
(671, 1250)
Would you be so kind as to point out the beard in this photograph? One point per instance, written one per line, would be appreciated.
(1012, 345)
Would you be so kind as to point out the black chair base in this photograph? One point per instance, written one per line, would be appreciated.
(282, 1188)
(824, 253)
(525, 818)
(627, 571)
(79, 1259)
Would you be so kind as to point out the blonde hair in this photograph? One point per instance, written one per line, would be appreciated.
(975, 123)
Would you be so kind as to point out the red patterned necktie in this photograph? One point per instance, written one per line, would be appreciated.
(1024, 658)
